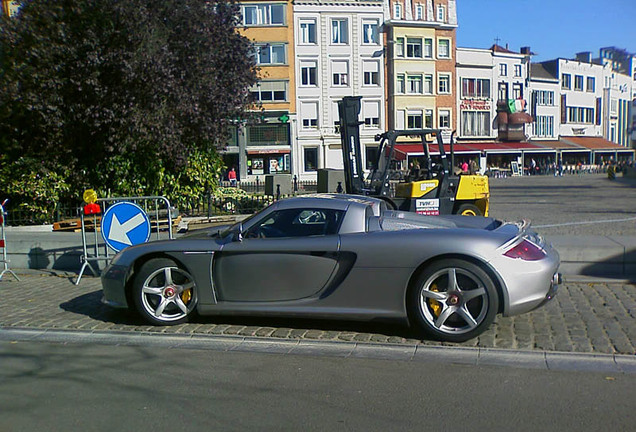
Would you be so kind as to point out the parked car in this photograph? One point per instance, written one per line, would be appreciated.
(334, 256)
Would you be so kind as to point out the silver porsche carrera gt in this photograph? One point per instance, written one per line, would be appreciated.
(335, 256)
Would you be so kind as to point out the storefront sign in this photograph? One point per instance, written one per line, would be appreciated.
(470, 104)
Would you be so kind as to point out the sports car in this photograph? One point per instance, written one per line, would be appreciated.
(334, 256)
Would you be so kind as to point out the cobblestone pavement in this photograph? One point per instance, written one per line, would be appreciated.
(588, 317)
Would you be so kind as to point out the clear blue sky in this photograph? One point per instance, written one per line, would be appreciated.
(552, 28)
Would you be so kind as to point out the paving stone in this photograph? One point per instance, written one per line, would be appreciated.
(586, 317)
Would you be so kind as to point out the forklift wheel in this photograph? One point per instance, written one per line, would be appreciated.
(469, 210)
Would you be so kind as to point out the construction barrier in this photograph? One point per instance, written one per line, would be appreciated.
(3, 244)
(121, 222)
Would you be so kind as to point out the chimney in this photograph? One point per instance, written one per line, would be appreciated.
(526, 50)
(584, 57)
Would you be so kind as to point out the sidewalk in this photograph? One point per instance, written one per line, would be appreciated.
(594, 255)
(587, 316)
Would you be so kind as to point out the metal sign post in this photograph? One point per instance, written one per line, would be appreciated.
(3, 244)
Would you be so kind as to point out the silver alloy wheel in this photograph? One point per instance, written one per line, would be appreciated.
(454, 301)
(168, 294)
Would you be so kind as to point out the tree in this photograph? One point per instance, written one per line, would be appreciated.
(122, 92)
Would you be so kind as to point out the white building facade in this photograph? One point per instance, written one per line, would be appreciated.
(339, 52)
(544, 97)
(476, 98)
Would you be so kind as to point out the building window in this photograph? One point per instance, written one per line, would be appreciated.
(413, 48)
(399, 119)
(503, 69)
(371, 153)
(502, 93)
(566, 81)
(591, 84)
(261, 15)
(441, 13)
(370, 32)
(267, 134)
(580, 115)
(371, 73)
(543, 126)
(443, 48)
(613, 107)
(428, 48)
(544, 97)
(340, 73)
(475, 123)
(428, 84)
(444, 118)
(414, 119)
(308, 74)
(414, 84)
(428, 118)
(517, 70)
(399, 47)
(419, 12)
(444, 84)
(578, 82)
(397, 11)
(475, 88)
(311, 158)
(400, 86)
(371, 114)
(307, 32)
(270, 54)
(269, 91)
(340, 31)
(517, 91)
(309, 115)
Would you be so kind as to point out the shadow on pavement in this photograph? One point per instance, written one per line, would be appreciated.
(90, 305)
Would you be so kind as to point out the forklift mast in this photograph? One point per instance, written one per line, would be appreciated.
(349, 111)
(379, 179)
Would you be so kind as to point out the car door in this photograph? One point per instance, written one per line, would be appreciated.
(290, 254)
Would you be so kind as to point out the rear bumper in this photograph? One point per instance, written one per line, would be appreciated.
(528, 284)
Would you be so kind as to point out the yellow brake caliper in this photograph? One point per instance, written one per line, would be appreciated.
(186, 296)
(434, 304)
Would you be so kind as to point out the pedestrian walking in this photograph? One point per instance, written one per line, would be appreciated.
(231, 176)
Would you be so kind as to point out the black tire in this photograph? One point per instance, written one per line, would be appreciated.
(453, 300)
(468, 210)
(164, 293)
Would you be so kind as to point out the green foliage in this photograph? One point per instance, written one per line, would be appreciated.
(40, 186)
(128, 97)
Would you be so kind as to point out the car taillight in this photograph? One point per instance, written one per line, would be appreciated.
(526, 251)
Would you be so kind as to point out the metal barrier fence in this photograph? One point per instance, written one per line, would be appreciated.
(100, 250)
(3, 245)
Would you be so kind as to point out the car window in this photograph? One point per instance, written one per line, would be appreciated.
(297, 223)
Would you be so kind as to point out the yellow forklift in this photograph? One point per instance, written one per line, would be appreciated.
(432, 189)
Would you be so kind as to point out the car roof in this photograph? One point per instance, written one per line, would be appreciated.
(336, 201)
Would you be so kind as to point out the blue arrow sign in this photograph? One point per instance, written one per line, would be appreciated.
(125, 224)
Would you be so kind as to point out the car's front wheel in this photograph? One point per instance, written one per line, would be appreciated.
(164, 293)
(454, 300)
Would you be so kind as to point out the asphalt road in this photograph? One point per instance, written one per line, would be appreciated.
(586, 204)
(56, 387)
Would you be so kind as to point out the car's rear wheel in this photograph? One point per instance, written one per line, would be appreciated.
(164, 293)
(454, 300)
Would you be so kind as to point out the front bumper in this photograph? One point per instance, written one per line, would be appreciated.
(114, 280)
